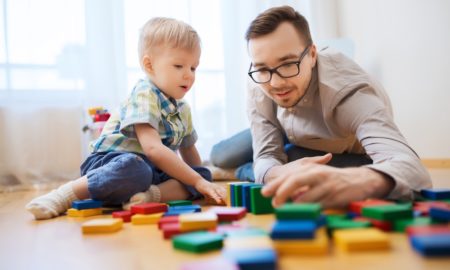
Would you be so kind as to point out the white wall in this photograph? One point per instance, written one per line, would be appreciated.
(405, 44)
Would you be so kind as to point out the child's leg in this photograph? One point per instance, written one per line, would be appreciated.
(58, 200)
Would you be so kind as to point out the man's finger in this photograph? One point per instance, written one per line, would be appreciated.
(318, 159)
(270, 188)
(288, 188)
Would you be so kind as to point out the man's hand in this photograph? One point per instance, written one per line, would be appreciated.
(212, 191)
(309, 180)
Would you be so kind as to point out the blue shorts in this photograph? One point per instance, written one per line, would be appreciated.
(113, 177)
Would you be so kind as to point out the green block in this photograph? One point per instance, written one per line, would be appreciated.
(290, 211)
(179, 202)
(333, 217)
(401, 224)
(198, 242)
(347, 224)
(260, 204)
(388, 212)
(238, 195)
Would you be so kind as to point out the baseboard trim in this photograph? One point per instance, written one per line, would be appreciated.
(436, 163)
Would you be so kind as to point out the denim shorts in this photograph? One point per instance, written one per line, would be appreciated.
(113, 177)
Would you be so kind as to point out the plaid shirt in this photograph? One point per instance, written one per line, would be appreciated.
(147, 104)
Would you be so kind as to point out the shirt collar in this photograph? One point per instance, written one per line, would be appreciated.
(307, 99)
(169, 105)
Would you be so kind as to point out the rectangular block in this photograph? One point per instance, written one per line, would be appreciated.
(424, 207)
(436, 193)
(246, 201)
(149, 208)
(357, 206)
(103, 225)
(260, 204)
(140, 219)
(198, 242)
(198, 221)
(253, 242)
(72, 212)
(316, 246)
(428, 230)
(183, 209)
(400, 225)
(388, 212)
(166, 220)
(124, 215)
(86, 204)
(347, 224)
(432, 245)
(179, 203)
(290, 211)
(293, 229)
(225, 214)
(210, 264)
(252, 259)
(440, 213)
(362, 239)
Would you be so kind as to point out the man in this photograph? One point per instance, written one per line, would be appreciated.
(325, 104)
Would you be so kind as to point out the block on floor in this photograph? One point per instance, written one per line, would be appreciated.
(102, 225)
(362, 239)
(198, 242)
(140, 219)
(72, 212)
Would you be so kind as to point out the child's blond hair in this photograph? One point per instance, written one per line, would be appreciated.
(159, 30)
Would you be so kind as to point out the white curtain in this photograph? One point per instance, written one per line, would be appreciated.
(41, 141)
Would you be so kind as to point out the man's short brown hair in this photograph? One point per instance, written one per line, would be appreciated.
(270, 19)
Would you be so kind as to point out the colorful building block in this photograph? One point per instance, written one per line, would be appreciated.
(432, 245)
(140, 219)
(400, 225)
(198, 242)
(246, 200)
(362, 239)
(167, 219)
(293, 229)
(103, 225)
(210, 264)
(149, 208)
(428, 230)
(179, 203)
(339, 224)
(72, 212)
(316, 246)
(290, 211)
(388, 212)
(440, 213)
(258, 259)
(124, 215)
(198, 221)
(357, 206)
(247, 232)
(260, 204)
(171, 229)
(86, 204)
(226, 214)
(424, 207)
(436, 193)
(251, 242)
(183, 209)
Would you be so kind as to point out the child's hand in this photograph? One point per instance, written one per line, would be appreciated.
(213, 191)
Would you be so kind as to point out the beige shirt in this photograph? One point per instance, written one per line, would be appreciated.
(343, 110)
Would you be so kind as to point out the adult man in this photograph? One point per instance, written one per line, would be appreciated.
(323, 103)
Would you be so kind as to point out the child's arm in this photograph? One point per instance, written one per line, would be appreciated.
(190, 155)
(169, 162)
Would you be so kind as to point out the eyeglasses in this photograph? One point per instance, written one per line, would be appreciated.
(286, 70)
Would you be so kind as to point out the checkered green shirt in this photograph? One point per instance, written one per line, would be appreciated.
(147, 104)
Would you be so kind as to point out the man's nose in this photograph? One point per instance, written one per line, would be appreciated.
(277, 80)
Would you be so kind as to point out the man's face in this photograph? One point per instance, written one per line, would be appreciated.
(283, 45)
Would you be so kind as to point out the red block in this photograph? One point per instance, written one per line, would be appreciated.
(167, 220)
(228, 213)
(356, 207)
(381, 224)
(171, 229)
(424, 207)
(428, 230)
(124, 215)
(149, 208)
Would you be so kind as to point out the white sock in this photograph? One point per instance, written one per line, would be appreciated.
(153, 194)
(53, 203)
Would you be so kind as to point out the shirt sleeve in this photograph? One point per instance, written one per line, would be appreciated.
(191, 135)
(268, 148)
(375, 129)
(141, 106)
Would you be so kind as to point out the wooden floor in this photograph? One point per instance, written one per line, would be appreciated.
(59, 244)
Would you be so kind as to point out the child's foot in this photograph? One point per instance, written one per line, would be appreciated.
(53, 203)
(153, 194)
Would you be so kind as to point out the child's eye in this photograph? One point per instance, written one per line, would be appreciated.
(193, 68)
(178, 66)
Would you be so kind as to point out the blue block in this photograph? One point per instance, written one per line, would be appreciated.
(432, 245)
(246, 201)
(194, 207)
(321, 221)
(252, 259)
(441, 214)
(436, 193)
(294, 229)
(178, 212)
(86, 204)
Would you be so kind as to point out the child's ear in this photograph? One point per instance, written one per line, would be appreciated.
(147, 63)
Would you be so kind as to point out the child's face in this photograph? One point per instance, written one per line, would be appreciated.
(173, 70)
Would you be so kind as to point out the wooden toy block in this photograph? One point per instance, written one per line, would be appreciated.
(210, 264)
(428, 230)
(432, 245)
(124, 215)
(86, 204)
(72, 212)
(356, 207)
(400, 225)
(424, 207)
(225, 214)
(293, 229)
(389, 212)
(253, 242)
(198, 221)
(171, 229)
(179, 203)
(252, 259)
(315, 246)
(338, 212)
(225, 229)
(436, 193)
(140, 219)
(177, 212)
(168, 219)
(246, 201)
(228, 198)
(362, 239)
(385, 226)
(103, 225)
(246, 232)
(440, 213)
(198, 242)
(296, 211)
(183, 209)
(260, 204)
(346, 224)
(233, 198)
(149, 208)
(238, 195)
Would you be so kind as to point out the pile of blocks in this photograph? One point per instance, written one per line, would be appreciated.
(299, 229)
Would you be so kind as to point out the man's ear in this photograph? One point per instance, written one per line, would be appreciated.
(147, 64)
(313, 52)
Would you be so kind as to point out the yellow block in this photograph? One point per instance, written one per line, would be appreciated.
(93, 110)
(251, 242)
(72, 212)
(228, 199)
(102, 225)
(316, 246)
(139, 219)
(361, 239)
(198, 221)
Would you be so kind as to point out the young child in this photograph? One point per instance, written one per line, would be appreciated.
(134, 160)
